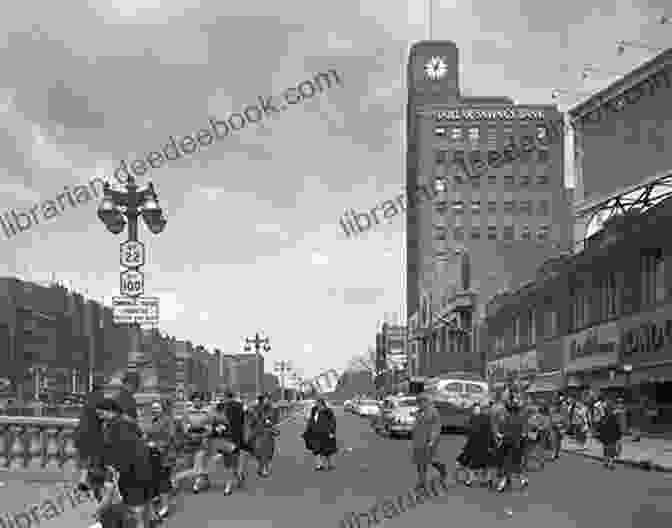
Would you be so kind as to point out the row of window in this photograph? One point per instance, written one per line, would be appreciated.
(473, 134)
(511, 207)
(589, 306)
(492, 233)
(477, 158)
(508, 179)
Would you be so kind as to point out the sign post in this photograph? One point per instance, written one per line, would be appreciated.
(131, 307)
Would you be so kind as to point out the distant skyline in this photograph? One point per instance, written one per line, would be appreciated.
(252, 241)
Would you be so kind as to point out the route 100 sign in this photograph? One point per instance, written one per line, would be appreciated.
(132, 284)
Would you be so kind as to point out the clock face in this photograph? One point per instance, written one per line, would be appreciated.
(436, 68)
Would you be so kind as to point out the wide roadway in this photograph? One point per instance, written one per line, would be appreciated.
(573, 492)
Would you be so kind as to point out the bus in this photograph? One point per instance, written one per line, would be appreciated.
(454, 395)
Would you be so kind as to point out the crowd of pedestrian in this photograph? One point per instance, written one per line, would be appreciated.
(505, 436)
(129, 467)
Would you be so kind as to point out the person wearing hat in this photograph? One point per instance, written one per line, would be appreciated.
(263, 432)
(129, 455)
(426, 438)
(320, 435)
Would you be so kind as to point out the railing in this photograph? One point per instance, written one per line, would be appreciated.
(39, 448)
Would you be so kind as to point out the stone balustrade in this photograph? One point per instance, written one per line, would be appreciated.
(38, 448)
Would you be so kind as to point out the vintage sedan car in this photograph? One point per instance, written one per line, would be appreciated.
(397, 415)
(368, 408)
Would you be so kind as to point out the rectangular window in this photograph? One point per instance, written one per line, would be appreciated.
(543, 156)
(475, 180)
(524, 180)
(516, 331)
(474, 134)
(508, 179)
(550, 323)
(543, 232)
(542, 179)
(652, 272)
(492, 137)
(492, 206)
(609, 305)
(456, 134)
(525, 207)
(508, 232)
(499, 345)
(531, 328)
(476, 232)
(475, 207)
(440, 156)
(544, 208)
(525, 233)
(458, 207)
(492, 178)
(440, 131)
(492, 232)
(510, 207)
(458, 233)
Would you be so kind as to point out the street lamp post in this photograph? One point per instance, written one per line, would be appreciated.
(257, 342)
(118, 206)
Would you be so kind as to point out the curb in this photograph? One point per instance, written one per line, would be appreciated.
(644, 465)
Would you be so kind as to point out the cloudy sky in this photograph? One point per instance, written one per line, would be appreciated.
(253, 241)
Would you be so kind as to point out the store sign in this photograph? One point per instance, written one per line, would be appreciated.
(473, 114)
(646, 334)
(593, 347)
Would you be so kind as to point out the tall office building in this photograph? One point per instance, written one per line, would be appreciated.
(487, 205)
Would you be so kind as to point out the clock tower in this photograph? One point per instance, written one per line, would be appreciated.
(433, 73)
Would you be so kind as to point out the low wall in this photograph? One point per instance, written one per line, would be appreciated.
(42, 448)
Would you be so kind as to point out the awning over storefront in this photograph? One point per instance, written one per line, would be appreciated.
(655, 374)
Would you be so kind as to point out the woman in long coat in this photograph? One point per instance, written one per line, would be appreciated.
(610, 435)
(426, 437)
(477, 452)
(263, 433)
(320, 435)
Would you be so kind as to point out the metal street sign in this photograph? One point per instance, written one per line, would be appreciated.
(132, 283)
(132, 254)
(136, 310)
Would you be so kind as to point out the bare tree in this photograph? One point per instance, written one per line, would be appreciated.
(366, 362)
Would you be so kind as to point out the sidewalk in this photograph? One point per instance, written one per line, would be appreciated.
(653, 454)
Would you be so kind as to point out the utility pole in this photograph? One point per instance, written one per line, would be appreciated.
(257, 342)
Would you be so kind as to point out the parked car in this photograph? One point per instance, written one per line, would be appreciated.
(397, 415)
(368, 408)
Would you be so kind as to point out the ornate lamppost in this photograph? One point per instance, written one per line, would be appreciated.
(258, 342)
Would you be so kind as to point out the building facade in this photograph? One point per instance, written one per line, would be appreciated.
(487, 205)
(621, 146)
(600, 319)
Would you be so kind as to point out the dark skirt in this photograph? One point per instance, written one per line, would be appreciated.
(478, 451)
(512, 455)
(320, 443)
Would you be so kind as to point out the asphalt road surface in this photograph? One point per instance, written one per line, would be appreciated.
(573, 492)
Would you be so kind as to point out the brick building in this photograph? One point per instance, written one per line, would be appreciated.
(600, 319)
(487, 205)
